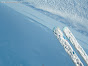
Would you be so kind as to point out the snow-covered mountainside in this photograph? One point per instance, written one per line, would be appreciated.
(74, 11)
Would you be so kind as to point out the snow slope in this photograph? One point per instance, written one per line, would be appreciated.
(46, 14)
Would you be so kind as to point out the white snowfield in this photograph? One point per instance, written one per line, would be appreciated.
(73, 40)
(67, 47)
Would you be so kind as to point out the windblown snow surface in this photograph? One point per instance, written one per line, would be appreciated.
(74, 11)
(48, 14)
